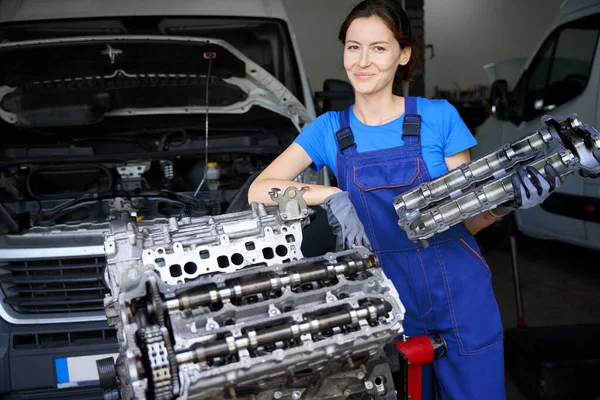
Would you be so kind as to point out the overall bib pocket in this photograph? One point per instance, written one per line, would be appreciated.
(378, 183)
(386, 175)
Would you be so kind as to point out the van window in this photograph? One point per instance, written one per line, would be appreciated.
(561, 69)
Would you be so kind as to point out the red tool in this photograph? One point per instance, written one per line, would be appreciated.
(416, 352)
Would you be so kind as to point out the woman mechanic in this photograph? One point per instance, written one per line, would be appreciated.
(398, 143)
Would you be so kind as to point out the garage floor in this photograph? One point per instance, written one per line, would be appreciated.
(559, 285)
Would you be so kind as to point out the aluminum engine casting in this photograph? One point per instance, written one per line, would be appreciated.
(288, 328)
(483, 184)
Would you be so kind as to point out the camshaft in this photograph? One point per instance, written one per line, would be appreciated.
(250, 285)
(254, 339)
(476, 171)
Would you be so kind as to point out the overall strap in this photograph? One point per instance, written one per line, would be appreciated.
(346, 145)
(411, 127)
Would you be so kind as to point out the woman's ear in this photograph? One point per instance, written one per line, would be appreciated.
(405, 54)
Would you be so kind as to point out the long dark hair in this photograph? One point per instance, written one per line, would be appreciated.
(394, 16)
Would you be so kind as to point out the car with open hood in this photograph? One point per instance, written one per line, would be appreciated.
(160, 109)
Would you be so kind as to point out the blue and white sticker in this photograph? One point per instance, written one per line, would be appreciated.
(78, 371)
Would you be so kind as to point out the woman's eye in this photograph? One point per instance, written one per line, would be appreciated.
(352, 47)
(379, 48)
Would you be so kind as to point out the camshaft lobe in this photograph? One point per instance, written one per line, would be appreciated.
(254, 285)
(254, 339)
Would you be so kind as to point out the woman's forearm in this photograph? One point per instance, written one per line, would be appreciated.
(479, 222)
(315, 195)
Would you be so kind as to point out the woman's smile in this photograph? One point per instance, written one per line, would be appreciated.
(364, 76)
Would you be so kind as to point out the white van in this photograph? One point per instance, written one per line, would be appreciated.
(560, 78)
(104, 105)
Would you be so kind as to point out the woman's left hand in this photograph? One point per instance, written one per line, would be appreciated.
(347, 227)
(531, 188)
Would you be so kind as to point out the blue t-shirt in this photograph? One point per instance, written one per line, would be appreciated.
(443, 133)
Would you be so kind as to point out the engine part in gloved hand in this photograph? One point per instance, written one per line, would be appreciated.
(485, 184)
(594, 136)
(531, 188)
(348, 229)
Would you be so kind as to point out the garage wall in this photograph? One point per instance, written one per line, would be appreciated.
(316, 23)
(466, 34)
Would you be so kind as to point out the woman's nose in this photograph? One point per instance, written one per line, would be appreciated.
(364, 59)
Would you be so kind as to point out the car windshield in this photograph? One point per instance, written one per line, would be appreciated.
(264, 41)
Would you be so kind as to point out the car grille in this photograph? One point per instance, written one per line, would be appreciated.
(50, 286)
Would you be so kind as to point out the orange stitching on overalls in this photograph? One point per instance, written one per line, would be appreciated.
(412, 180)
(462, 350)
(474, 252)
(449, 300)
(363, 202)
(362, 156)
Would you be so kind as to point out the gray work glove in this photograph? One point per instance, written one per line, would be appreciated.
(347, 227)
(530, 188)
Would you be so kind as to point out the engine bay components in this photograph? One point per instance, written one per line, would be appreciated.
(284, 327)
(484, 183)
(71, 193)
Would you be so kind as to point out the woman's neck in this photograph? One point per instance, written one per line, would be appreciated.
(378, 109)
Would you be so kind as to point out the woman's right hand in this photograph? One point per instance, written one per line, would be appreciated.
(341, 214)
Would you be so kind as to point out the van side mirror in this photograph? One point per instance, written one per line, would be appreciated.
(337, 95)
(499, 100)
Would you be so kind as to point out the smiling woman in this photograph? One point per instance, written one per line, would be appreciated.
(380, 147)
(365, 60)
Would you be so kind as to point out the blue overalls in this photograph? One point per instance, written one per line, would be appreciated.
(446, 287)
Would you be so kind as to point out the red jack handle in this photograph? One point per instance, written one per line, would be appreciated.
(419, 351)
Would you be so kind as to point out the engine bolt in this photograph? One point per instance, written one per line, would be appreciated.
(347, 392)
(277, 395)
(350, 362)
(360, 375)
(296, 395)
(368, 385)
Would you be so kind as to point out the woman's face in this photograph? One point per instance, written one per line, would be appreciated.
(372, 55)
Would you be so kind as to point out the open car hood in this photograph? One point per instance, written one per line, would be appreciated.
(83, 80)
